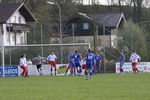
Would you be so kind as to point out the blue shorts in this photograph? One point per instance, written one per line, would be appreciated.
(98, 64)
(89, 66)
(121, 63)
(71, 64)
(77, 64)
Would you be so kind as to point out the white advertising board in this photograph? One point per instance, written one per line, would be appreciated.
(127, 68)
(33, 70)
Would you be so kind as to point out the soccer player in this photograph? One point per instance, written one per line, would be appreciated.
(24, 65)
(39, 61)
(83, 65)
(71, 64)
(52, 60)
(122, 59)
(93, 64)
(135, 59)
(77, 58)
(89, 63)
(98, 59)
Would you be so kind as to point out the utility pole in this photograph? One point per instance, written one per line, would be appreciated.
(95, 36)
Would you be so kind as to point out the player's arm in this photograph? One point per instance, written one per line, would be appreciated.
(139, 59)
(80, 56)
(130, 59)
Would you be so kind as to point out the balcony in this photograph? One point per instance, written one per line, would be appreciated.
(17, 28)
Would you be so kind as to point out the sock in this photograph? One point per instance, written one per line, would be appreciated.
(91, 73)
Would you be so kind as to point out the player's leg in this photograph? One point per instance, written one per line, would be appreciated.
(37, 66)
(51, 68)
(133, 67)
(121, 67)
(91, 73)
(54, 64)
(26, 71)
(67, 70)
(55, 70)
(76, 69)
(41, 71)
(80, 68)
(87, 70)
(72, 70)
(94, 70)
(98, 68)
(136, 69)
(86, 73)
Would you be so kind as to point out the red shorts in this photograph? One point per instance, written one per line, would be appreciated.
(24, 67)
(83, 66)
(135, 64)
(53, 63)
(70, 67)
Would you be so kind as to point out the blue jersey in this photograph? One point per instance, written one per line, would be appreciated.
(89, 58)
(77, 57)
(93, 60)
(122, 59)
(98, 59)
(71, 63)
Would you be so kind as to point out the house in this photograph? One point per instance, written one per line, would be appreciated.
(80, 28)
(14, 19)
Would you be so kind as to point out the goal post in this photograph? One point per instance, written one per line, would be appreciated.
(10, 54)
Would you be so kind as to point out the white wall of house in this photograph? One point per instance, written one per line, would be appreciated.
(9, 37)
(1, 36)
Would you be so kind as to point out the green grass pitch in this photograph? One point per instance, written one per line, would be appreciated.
(102, 87)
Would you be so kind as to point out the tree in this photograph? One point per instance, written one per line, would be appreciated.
(132, 37)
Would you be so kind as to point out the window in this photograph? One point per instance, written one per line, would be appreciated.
(21, 40)
(15, 19)
(19, 19)
(73, 25)
(85, 26)
(13, 37)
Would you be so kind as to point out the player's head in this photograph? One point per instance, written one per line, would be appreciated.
(38, 55)
(52, 52)
(133, 51)
(23, 56)
(121, 51)
(89, 50)
(98, 52)
(76, 51)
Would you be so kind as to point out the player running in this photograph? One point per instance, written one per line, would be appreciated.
(77, 58)
(98, 59)
(71, 64)
(24, 65)
(39, 61)
(135, 59)
(51, 58)
(121, 59)
(89, 60)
